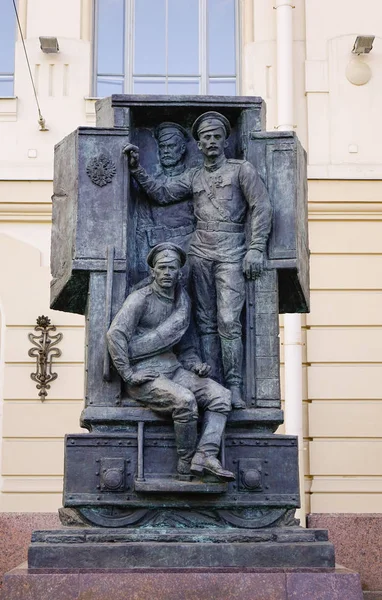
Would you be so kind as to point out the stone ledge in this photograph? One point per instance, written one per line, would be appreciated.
(8, 108)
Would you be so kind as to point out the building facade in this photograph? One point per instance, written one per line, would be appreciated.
(215, 47)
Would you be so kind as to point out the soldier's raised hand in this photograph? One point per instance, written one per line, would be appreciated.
(253, 264)
(132, 155)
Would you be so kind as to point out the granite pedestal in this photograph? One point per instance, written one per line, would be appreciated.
(182, 584)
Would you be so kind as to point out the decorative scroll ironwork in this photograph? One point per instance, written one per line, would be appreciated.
(44, 352)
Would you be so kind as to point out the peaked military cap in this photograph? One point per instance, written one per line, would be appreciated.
(167, 251)
(208, 121)
(166, 130)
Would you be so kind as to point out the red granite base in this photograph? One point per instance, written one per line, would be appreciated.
(15, 535)
(357, 539)
(182, 584)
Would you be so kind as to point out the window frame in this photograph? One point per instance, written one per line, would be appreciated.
(128, 52)
(11, 76)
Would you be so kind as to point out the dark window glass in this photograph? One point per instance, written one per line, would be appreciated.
(150, 37)
(163, 48)
(149, 85)
(106, 86)
(6, 85)
(110, 59)
(184, 86)
(7, 47)
(222, 87)
(183, 37)
(221, 37)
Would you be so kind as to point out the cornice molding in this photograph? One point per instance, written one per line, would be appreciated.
(24, 212)
(345, 211)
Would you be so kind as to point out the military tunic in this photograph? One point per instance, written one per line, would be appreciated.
(147, 334)
(224, 197)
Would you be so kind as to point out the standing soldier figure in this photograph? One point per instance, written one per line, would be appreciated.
(223, 191)
(158, 224)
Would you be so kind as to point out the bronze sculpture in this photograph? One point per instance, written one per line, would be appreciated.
(145, 343)
(223, 190)
(155, 223)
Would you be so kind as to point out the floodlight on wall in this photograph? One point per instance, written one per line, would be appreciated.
(363, 44)
(49, 44)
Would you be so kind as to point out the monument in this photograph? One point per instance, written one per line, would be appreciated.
(180, 232)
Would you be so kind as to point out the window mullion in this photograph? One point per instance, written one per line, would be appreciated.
(95, 46)
(129, 45)
(237, 47)
(166, 47)
(203, 46)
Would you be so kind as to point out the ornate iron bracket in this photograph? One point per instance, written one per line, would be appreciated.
(44, 351)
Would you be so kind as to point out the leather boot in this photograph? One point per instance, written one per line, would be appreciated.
(211, 352)
(205, 459)
(232, 355)
(185, 439)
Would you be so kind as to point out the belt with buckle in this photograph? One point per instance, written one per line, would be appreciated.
(220, 226)
(158, 235)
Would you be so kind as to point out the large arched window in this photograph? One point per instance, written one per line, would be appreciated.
(7, 48)
(165, 47)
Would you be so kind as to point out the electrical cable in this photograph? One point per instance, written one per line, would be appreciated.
(41, 119)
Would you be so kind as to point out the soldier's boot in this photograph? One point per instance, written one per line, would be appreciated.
(185, 439)
(211, 351)
(205, 458)
(232, 355)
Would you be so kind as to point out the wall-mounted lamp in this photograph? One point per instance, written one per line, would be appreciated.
(49, 44)
(363, 44)
(358, 72)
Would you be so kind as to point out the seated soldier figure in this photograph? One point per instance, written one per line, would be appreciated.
(155, 358)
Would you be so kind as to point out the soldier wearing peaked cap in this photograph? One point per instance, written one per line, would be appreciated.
(157, 224)
(225, 192)
(163, 371)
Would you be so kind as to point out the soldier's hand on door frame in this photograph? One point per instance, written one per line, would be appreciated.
(132, 155)
(201, 369)
(253, 264)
